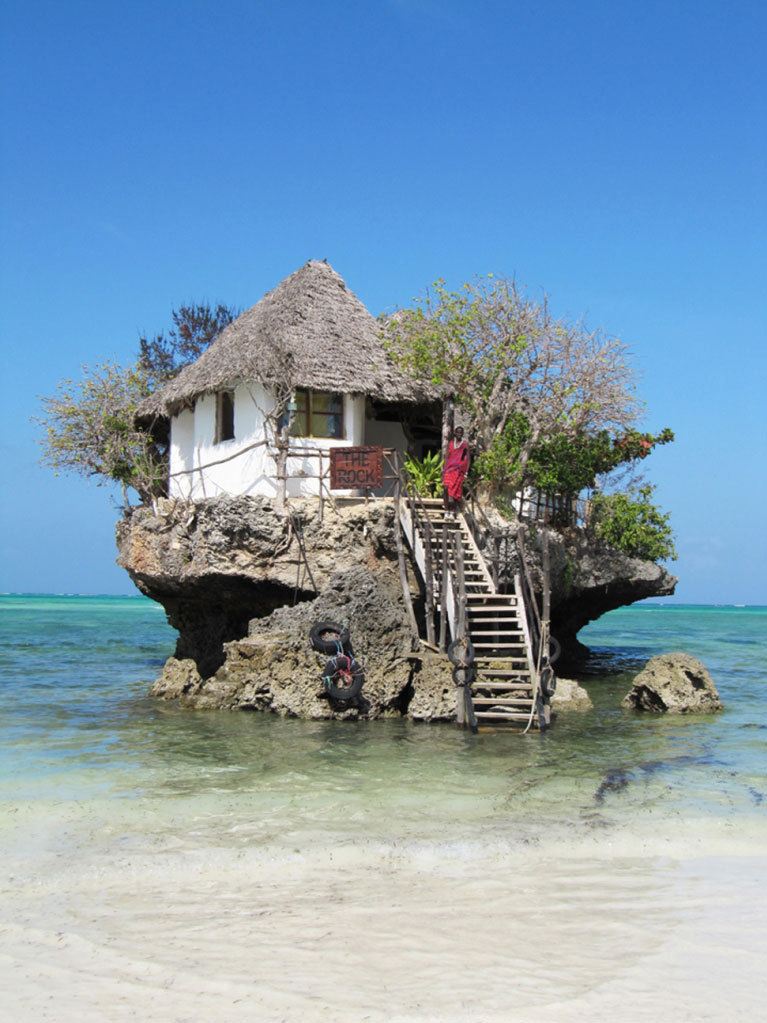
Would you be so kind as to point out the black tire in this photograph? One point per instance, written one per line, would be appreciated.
(464, 676)
(548, 681)
(461, 652)
(344, 678)
(554, 649)
(329, 638)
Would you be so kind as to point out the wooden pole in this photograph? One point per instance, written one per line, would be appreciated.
(443, 593)
(460, 622)
(460, 693)
(322, 495)
(544, 712)
(429, 584)
(402, 564)
(448, 418)
(546, 577)
(461, 578)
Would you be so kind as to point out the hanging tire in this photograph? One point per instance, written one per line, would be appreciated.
(329, 638)
(554, 649)
(344, 678)
(548, 681)
(464, 676)
(461, 652)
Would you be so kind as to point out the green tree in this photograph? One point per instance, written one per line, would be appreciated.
(89, 430)
(89, 426)
(633, 524)
(194, 327)
(521, 374)
(562, 464)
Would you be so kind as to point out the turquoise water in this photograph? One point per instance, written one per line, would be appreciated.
(122, 815)
(75, 720)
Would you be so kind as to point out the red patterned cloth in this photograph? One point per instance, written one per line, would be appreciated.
(456, 467)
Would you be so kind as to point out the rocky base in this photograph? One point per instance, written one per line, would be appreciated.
(673, 682)
(275, 669)
(243, 583)
(588, 579)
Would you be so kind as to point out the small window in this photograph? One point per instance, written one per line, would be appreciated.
(224, 416)
(318, 414)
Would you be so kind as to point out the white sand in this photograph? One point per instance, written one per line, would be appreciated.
(161, 926)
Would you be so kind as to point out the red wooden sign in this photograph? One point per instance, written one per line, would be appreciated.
(356, 468)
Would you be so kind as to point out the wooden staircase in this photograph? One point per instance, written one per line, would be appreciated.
(504, 692)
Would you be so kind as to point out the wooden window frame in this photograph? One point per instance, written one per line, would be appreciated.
(224, 416)
(308, 412)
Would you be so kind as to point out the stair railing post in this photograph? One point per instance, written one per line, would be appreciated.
(402, 564)
(322, 496)
(429, 580)
(461, 588)
(460, 693)
(443, 593)
(463, 708)
(496, 560)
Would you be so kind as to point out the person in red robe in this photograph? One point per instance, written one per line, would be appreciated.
(456, 467)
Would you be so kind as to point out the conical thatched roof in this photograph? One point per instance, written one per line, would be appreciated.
(310, 327)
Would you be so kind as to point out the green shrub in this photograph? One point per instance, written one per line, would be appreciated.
(561, 464)
(633, 524)
(425, 474)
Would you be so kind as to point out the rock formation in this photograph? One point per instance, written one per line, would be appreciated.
(570, 695)
(590, 578)
(673, 682)
(242, 584)
(274, 668)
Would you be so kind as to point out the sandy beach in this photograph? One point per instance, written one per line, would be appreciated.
(167, 866)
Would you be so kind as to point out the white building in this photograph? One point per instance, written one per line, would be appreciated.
(309, 348)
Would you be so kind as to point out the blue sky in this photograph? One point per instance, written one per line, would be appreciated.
(612, 155)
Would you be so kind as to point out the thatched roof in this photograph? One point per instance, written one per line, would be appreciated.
(310, 327)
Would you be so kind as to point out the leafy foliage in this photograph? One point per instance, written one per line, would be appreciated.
(426, 474)
(522, 375)
(561, 464)
(89, 425)
(89, 430)
(194, 327)
(633, 524)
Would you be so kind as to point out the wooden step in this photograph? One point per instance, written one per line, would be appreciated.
(488, 671)
(510, 715)
(480, 684)
(505, 637)
(501, 643)
(487, 609)
(519, 673)
(501, 701)
(495, 632)
(499, 621)
(481, 605)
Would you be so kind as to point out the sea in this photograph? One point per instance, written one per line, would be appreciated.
(168, 865)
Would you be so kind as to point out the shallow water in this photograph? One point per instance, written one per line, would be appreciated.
(170, 865)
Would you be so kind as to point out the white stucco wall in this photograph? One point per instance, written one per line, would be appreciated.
(200, 468)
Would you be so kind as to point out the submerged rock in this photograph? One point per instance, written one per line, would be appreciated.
(673, 682)
(570, 695)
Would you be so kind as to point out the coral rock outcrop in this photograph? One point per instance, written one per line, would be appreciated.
(242, 583)
(673, 682)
